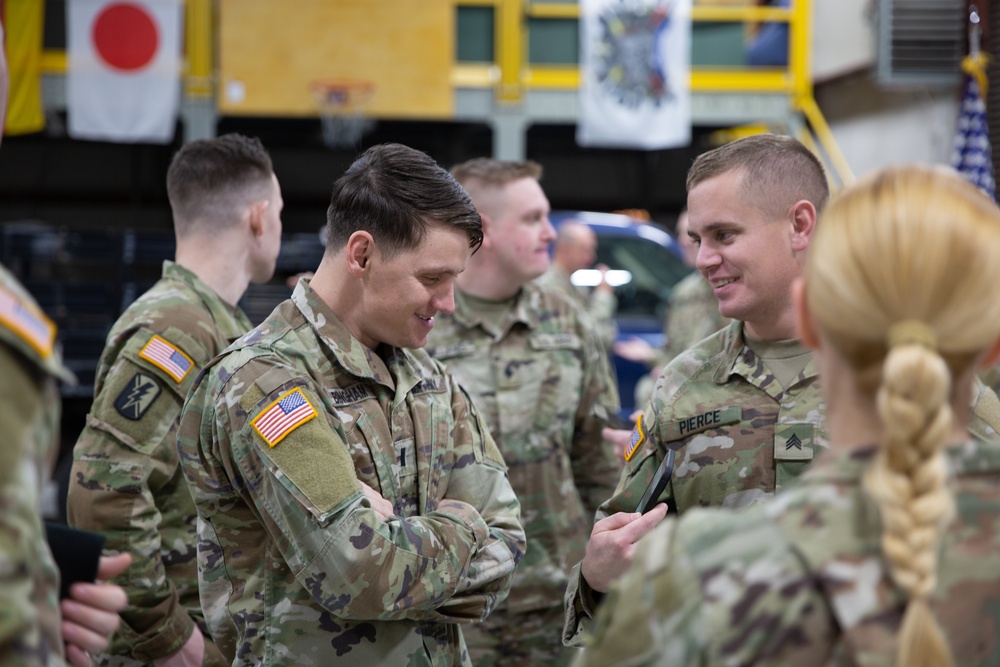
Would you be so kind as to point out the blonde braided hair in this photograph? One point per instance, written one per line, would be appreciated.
(901, 279)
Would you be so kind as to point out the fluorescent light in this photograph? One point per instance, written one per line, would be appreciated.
(592, 277)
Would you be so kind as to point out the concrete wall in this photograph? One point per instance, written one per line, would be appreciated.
(874, 126)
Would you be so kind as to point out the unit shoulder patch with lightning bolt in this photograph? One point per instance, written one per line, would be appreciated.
(138, 395)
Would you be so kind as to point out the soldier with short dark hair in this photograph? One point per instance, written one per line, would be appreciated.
(126, 480)
(886, 551)
(352, 506)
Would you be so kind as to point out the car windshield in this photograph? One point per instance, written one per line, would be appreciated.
(655, 270)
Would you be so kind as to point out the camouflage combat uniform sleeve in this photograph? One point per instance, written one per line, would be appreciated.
(126, 480)
(29, 418)
(738, 435)
(800, 580)
(290, 545)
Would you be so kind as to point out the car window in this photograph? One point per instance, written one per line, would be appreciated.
(655, 270)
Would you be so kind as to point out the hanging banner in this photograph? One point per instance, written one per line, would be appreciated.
(635, 68)
(123, 82)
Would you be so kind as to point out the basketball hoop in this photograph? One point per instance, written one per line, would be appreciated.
(342, 104)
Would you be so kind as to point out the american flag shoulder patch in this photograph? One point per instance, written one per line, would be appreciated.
(290, 411)
(638, 437)
(166, 356)
(27, 323)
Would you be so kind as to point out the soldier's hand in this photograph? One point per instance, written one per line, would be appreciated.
(90, 614)
(635, 349)
(612, 545)
(381, 506)
(192, 654)
(618, 438)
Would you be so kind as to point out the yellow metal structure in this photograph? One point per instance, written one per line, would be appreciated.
(511, 75)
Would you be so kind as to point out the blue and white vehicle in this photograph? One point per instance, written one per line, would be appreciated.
(645, 262)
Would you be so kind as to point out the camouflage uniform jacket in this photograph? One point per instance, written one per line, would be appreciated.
(541, 381)
(600, 306)
(800, 580)
(692, 316)
(295, 566)
(126, 480)
(738, 435)
(30, 363)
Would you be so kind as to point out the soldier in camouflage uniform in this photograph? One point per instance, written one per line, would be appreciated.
(575, 248)
(742, 409)
(353, 509)
(541, 378)
(887, 550)
(36, 630)
(126, 480)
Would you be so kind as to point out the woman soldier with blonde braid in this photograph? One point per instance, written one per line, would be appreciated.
(887, 550)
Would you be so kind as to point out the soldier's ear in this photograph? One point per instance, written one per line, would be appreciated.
(256, 212)
(803, 320)
(487, 229)
(802, 215)
(360, 249)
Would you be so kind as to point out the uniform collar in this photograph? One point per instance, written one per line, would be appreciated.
(398, 372)
(526, 307)
(738, 359)
(231, 320)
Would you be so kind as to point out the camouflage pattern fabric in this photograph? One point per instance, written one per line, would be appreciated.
(800, 580)
(295, 566)
(30, 363)
(692, 316)
(543, 383)
(601, 307)
(126, 480)
(528, 639)
(738, 436)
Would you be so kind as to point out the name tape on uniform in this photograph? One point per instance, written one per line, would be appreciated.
(166, 356)
(290, 411)
(704, 421)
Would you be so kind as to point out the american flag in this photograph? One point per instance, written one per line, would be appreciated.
(166, 356)
(972, 155)
(286, 414)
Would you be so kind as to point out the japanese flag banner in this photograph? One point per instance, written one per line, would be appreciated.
(123, 83)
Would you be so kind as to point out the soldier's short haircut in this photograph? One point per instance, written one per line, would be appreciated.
(395, 193)
(777, 171)
(490, 171)
(210, 182)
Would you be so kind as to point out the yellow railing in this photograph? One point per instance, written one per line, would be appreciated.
(511, 74)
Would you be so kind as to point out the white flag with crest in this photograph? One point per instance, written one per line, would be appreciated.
(635, 67)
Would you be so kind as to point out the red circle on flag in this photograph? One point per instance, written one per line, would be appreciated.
(125, 36)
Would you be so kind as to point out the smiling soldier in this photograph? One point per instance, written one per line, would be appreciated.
(742, 408)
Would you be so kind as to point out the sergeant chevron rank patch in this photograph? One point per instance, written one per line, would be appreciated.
(137, 396)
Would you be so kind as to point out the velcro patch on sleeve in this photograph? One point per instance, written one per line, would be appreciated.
(138, 395)
(290, 411)
(165, 355)
(28, 323)
(638, 437)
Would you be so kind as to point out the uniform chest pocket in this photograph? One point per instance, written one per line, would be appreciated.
(373, 452)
